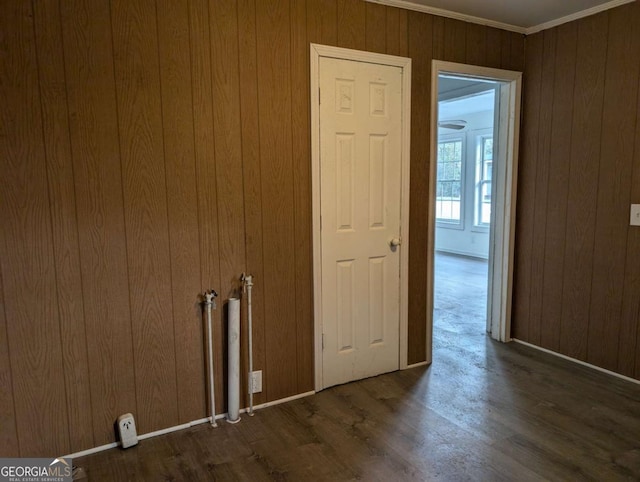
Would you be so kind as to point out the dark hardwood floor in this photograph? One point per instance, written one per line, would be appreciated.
(482, 411)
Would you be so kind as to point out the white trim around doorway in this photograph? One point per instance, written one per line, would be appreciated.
(503, 229)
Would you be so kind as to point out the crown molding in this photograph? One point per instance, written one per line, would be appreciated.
(408, 5)
(576, 16)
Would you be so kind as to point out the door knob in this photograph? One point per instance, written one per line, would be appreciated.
(395, 242)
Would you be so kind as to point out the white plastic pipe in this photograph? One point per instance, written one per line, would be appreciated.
(233, 410)
(210, 302)
(248, 284)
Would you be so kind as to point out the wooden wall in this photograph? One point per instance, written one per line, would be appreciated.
(154, 149)
(577, 277)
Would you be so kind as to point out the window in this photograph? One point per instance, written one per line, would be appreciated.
(449, 182)
(484, 168)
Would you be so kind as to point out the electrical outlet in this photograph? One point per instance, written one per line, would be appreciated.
(127, 430)
(256, 381)
(635, 215)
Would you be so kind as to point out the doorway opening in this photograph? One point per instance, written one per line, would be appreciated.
(475, 125)
(464, 168)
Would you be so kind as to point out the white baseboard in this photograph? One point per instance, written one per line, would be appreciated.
(465, 254)
(183, 426)
(281, 400)
(416, 365)
(579, 362)
(93, 450)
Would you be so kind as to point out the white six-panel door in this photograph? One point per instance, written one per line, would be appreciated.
(360, 197)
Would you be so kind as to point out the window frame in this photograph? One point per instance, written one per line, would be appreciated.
(448, 138)
(481, 136)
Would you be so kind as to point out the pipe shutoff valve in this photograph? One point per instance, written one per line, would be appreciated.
(210, 298)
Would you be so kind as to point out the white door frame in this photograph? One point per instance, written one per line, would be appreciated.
(318, 51)
(503, 229)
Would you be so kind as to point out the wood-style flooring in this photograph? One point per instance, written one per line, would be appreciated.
(483, 411)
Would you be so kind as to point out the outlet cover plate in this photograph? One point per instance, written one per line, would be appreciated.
(256, 381)
(127, 430)
(635, 215)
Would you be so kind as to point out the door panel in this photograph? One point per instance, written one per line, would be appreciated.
(360, 188)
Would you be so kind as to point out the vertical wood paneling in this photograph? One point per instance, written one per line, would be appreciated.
(526, 185)
(403, 45)
(557, 194)
(494, 47)
(420, 41)
(630, 316)
(631, 304)
(583, 183)
(437, 38)
(476, 44)
(505, 51)
(27, 255)
(98, 188)
(585, 298)
(393, 32)
(614, 187)
(178, 134)
(274, 94)
(375, 28)
(135, 40)
(541, 183)
(396, 31)
(251, 175)
(351, 24)
(301, 155)
(177, 155)
(228, 155)
(212, 122)
(8, 436)
(204, 152)
(226, 115)
(322, 21)
(455, 40)
(512, 56)
(65, 227)
(590, 282)
(516, 51)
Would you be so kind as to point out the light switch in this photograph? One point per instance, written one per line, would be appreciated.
(635, 215)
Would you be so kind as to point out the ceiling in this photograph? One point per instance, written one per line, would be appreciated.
(461, 97)
(459, 108)
(524, 16)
